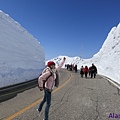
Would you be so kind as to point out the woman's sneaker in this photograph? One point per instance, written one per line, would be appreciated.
(38, 111)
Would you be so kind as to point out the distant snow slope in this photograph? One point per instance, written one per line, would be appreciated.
(21, 56)
(107, 59)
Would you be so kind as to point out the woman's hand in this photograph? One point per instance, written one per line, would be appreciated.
(64, 58)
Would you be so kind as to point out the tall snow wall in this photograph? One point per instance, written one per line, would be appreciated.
(21, 56)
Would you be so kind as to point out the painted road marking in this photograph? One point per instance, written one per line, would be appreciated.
(111, 81)
(36, 102)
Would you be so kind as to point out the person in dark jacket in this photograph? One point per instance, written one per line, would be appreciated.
(67, 66)
(93, 71)
(81, 71)
(90, 69)
(75, 68)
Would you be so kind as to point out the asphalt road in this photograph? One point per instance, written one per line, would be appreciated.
(76, 99)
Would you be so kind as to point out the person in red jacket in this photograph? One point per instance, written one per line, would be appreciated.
(85, 71)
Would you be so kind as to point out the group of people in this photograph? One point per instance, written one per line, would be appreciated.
(71, 67)
(92, 71)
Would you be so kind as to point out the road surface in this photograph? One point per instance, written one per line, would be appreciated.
(76, 99)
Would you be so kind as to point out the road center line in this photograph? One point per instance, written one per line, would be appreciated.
(36, 102)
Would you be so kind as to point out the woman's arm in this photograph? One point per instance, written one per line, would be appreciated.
(61, 64)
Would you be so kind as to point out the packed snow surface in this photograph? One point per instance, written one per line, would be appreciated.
(21, 55)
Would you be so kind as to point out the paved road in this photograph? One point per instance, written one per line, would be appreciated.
(77, 99)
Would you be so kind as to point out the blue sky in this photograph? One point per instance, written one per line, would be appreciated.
(66, 27)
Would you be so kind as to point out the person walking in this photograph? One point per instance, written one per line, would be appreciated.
(46, 82)
(89, 70)
(82, 71)
(75, 68)
(93, 71)
(86, 71)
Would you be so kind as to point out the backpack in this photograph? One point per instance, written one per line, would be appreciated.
(56, 80)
